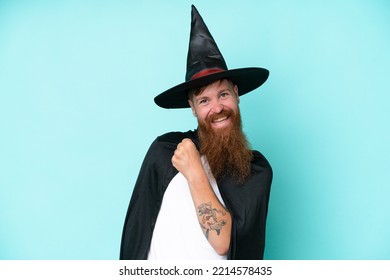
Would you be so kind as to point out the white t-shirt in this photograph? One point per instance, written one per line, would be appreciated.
(177, 233)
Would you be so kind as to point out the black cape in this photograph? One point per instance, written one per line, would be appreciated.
(247, 203)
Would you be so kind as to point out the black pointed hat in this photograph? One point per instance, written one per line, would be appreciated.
(205, 64)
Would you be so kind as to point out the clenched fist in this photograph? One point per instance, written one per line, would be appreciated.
(186, 159)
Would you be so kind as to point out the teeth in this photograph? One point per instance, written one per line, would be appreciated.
(220, 119)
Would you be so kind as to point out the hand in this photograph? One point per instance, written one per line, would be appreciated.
(186, 159)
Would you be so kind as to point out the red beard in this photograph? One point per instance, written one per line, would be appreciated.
(226, 149)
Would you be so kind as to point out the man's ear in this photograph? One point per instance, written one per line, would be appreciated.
(192, 107)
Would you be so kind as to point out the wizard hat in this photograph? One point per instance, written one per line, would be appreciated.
(206, 65)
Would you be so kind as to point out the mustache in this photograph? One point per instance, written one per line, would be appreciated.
(226, 112)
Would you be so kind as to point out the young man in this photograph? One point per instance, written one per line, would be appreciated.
(202, 194)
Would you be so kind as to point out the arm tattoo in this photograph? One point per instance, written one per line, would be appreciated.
(208, 219)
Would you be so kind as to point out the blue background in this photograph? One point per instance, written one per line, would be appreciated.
(77, 81)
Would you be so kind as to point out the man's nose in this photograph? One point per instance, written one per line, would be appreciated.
(217, 107)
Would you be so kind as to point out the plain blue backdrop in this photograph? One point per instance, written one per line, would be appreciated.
(77, 82)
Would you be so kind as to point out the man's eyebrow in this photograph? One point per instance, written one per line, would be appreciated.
(200, 95)
(225, 89)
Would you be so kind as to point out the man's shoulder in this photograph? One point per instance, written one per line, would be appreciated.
(260, 163)
(163, 147)
(175, 137)
(258, 157)
(167, 143)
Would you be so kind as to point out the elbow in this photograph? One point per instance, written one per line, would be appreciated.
(222, 246)
(222, 249)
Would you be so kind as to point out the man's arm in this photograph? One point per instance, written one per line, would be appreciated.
(214, 219)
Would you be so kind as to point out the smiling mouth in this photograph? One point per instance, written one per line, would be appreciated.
(219, 120)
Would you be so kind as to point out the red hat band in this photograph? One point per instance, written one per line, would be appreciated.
(206, 72)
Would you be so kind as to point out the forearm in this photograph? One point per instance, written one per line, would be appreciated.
(214, 219)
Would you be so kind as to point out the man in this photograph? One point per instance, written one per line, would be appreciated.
(202, 194)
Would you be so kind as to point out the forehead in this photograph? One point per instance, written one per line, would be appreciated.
(216, 87)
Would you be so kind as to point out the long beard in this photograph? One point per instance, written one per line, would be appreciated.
(227, 149)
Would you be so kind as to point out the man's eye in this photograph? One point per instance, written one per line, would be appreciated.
(224, 94)
(202, 101)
